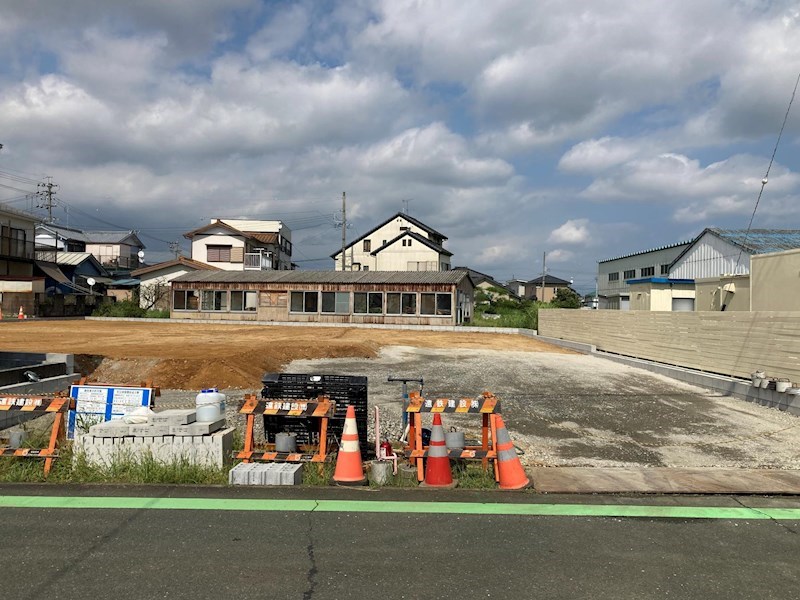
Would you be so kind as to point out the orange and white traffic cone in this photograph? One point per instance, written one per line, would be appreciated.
(512, 475)
(437, 469)
(349, 469)
(21, 314)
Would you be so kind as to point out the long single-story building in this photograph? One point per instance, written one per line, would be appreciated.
(386, 297)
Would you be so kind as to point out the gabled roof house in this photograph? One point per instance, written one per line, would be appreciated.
(400, 243)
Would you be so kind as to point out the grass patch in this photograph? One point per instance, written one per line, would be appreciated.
(318, 473)
(72, 468)
(474, 477)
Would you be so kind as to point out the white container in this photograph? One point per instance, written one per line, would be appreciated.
(781, 385)
(210, 405)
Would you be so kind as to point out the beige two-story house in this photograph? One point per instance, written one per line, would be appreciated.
(401, 243)
(243, 245)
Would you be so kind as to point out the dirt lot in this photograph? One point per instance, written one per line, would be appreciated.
(194, 356)
(562, 408)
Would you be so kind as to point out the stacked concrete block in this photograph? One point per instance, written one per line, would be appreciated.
(213, 450)
(174, 416)
(197, 428)
(266, 474)
(114, 428)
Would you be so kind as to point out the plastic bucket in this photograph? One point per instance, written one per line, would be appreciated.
(286, 442)
(380, 472)
(210, 405)
(454, 440)
(782, 385)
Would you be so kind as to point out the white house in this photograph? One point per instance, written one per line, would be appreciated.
(154, 280)
(243, 245)
(401, 243)
(115, 250)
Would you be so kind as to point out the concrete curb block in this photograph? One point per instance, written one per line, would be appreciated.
(454, 328)
(577, 346)
(729, 386)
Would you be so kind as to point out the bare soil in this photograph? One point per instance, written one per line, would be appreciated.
(198, 355)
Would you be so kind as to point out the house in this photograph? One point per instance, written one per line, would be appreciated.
(613, 274)
(400, 243)
(117, 251)
(71, 273)
(154, 280)
(489, 284)
(519, 287)
(662, 294)
(19, 286)
(546, 292)
(379, 297)
(243, 245)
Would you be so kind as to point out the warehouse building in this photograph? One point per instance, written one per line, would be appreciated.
(382, 297)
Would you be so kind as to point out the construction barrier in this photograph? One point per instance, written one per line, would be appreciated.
(486, 405)
(319, 408)
(43, 404)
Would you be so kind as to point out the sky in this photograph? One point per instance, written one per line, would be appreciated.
(583, 130)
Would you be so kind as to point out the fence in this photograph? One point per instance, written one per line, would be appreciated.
(735, 343)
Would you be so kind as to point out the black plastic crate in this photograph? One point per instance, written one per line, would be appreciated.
(344, 390)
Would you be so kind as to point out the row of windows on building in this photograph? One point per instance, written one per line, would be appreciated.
(371, 303)
(643, 272)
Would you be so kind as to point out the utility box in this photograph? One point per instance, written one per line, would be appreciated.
(341, 389)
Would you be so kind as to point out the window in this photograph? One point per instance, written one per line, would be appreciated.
(365, 268)
(404, 228)
(218, 253)
(436, 304)
(304, 302)
(368, 303)
(406, 242)
(247, 301)
(214, 300)
(630, 274)
(648, 271)
(184, 300)
(665, 269)
(613, 276)
(401, 303)
(367, 245)
(336, 302)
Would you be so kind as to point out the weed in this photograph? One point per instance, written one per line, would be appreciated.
(317, 473)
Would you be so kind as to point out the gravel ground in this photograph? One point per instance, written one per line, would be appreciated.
(572, 410)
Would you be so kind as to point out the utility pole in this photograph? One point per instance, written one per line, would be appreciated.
(405, 202)
(344, 226)
(49, 191)
(544, 270)
(176, 248)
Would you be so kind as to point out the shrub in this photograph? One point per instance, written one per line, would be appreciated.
(124, 308)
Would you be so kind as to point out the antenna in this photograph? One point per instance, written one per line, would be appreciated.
(405, 201)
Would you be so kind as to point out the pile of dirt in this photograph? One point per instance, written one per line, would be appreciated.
(197, 355)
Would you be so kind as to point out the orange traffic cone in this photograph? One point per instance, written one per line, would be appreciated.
(349, 470)
(437, 471)
(21, 314)
(512, 475)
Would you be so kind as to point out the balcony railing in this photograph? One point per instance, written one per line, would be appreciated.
(14, 248)
(257, 261)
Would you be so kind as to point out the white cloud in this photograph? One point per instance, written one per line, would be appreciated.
(559, 255)
(598, 155)
(574, 231)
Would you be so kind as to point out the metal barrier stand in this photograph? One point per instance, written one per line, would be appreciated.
(44, 404)
(487, 405)
(321, 408)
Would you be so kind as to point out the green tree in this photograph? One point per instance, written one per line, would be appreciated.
(566, 298)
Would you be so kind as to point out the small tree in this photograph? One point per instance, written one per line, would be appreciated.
(566, 298)
(154, 294)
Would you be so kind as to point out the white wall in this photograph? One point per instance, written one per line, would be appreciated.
(711, 257)
(200, 242)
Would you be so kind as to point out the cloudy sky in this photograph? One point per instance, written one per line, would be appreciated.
(581, 129)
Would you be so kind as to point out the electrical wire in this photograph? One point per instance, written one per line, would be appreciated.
(769, 167)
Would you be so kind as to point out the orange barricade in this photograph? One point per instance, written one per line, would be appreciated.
(321, 408)
(44, 404)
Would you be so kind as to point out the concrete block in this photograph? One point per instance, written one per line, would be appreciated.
(239, 475)
(199, 428)
(149, 430)
(110, 429)
(174, 416)
(291, 474)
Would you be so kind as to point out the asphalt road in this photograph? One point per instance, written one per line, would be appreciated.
(150, 553)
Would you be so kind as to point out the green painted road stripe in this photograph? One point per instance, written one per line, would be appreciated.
(356, 506)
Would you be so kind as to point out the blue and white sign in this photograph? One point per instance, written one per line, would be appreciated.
(98, 403)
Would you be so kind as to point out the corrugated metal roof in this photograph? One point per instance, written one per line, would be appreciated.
(72, 258)
(316, 277)
(647, 251)
(264, 238)
(761, 241)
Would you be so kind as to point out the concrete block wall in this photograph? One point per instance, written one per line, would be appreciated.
(266, 474)
(212, 450)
